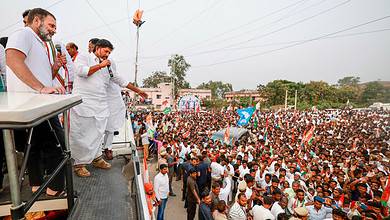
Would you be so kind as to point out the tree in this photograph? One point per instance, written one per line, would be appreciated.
(275, 91)
(179, 67)
(349, 81)
(218, 88)
(156, 78)
(375, 92)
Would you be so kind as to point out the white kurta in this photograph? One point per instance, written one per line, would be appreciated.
(117, 112)
(88, 120)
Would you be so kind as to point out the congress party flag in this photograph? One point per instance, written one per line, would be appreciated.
(245, 115)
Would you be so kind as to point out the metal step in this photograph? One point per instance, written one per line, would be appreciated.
(104, 195)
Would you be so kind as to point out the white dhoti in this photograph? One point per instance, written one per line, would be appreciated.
(117, 114)
(86, 137)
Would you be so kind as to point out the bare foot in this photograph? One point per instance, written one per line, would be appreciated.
(50, 192)
(34, 188)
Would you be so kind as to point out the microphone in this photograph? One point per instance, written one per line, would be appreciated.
(110, 71)
(58, 48)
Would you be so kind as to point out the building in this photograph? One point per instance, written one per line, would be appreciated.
(236, 95)
(200, 93)
(156, 96)
(163, 92)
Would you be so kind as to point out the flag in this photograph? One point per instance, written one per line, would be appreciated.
(149, 120)
(197, 108)
(151, 132)
(245, 115)
(185, 135)
(255, 124)
(308, 136)
(137, 18)
(227, 135)
(165, 107)
(386, 194)
(167, 110)
(258, 106)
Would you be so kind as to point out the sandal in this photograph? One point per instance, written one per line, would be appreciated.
(58, 194)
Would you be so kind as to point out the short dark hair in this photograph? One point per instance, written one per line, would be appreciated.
(3, 41)
(94, 40)
(215, 185)
(162, 166)
(268, 200)
(104, 44)
(38, 12)
(73, 45)
(240, 195)
(25, 13)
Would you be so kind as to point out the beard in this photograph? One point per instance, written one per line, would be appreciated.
(44, 34)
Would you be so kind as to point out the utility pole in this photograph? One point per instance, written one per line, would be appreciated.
(285, 101)
(136, 58)
(173, 83)
(295, 101)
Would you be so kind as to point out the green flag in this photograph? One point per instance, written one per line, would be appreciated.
(167, 110)
(256, 122)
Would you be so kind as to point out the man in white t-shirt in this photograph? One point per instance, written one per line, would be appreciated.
(30, 71)
(217, 171)
(262, 212)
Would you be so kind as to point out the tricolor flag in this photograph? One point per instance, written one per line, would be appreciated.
(165, 107)
(308, 137)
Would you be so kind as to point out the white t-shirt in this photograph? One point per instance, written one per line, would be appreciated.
(216, 170)
(261, 213)
(2, 60)
(28, 42)
(276, 209)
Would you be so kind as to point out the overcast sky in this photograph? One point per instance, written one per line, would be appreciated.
(243, 42)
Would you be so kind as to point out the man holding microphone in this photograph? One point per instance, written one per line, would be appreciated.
(94, 72)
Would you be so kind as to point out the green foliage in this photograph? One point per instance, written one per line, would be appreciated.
(218, 88)
(349, 81)
(179, 68)
(215, 104)
(157, 77)
(322, 95)
(375, 92)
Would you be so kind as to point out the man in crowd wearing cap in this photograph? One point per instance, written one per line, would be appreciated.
(193, 198)
(300, 213)
(161, 189)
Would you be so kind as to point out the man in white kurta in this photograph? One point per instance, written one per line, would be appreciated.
(88, 120)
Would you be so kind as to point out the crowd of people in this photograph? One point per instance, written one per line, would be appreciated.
(290, 165)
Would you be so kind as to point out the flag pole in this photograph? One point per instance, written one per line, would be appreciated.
(285, 101)
(136, 58)
(295, 101)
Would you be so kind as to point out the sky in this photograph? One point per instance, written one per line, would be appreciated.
(242, 42)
